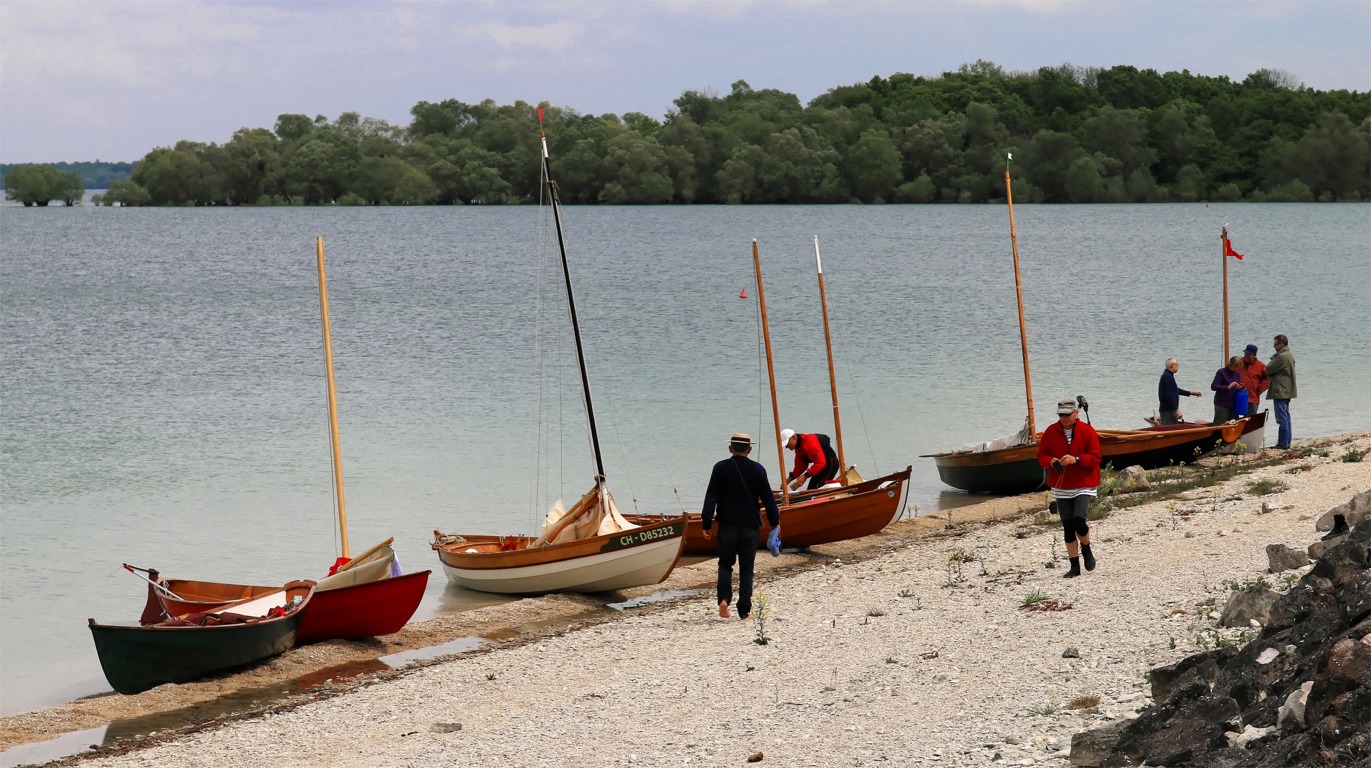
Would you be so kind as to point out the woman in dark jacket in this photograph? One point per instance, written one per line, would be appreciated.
(1227, 383)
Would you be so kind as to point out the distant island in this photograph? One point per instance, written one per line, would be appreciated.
(1076, 135)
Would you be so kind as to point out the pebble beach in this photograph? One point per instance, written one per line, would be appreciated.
(951, 644)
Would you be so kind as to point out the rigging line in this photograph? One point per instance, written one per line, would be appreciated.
(856, 395)
(603, 329)
(537, 489)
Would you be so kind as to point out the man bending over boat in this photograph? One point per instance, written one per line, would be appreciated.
(1070, 452)
(814, 458)
(738, 489)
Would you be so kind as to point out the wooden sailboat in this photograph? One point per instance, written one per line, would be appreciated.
(365, 596)
(1010, 465)
(1254, 429)
(183, 648)
(853, 509)
(588, 548)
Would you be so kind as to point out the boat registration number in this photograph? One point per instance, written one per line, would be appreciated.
(643, 536)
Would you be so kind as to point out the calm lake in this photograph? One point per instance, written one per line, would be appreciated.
(162, 390)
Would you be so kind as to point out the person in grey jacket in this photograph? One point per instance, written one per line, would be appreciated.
(1281, 373)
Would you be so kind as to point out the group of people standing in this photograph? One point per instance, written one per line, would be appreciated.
(1238, 387)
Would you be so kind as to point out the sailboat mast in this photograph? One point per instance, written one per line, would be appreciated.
(571, 305)
(1018, 291)
(332, 401)
(832, 377)
(1223, 256)
(770, 371)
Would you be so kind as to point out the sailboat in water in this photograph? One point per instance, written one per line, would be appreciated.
(363, 596)
(848, 510)
(1010, 464)
(590, 547)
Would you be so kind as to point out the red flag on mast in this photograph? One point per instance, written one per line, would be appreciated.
(1228, 249)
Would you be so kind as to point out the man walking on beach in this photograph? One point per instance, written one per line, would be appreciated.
(1070, 452)
(738, 489)
(1169, 393)
(1281, 374)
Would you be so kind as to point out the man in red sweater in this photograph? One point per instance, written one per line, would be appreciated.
(1070, 452)
(814, 458)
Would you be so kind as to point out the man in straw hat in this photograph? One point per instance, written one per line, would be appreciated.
(737, 490)
(1070, 452)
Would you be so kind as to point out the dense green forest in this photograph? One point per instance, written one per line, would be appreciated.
(1077, 135)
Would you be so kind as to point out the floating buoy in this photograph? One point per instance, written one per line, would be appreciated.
(742, 294)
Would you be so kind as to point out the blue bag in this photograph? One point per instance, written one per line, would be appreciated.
(773, 541)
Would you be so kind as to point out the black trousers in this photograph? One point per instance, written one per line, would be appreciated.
(737, 543)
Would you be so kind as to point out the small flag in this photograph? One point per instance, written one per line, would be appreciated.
(1228, 250)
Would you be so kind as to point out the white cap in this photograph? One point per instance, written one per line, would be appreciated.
(786, 434)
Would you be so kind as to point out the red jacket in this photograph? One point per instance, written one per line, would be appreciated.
(1255, 379)
(809, 456)
(1085, 446)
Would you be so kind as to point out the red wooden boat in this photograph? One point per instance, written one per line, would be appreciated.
(361, 600)
(820, 517)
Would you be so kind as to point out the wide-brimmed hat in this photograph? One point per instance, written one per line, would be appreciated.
(740, 438)
(1066, 406)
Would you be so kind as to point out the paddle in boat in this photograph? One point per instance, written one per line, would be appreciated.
(590, 547)
(188, 647)
(365, 596)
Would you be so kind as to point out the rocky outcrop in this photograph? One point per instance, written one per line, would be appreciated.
(1353, 511)
(1281, 558)
(1299, 694)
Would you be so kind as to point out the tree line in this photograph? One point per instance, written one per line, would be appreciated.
(1076, 135)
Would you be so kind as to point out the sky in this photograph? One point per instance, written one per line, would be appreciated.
(111, 80)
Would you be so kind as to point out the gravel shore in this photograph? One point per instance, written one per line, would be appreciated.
(925, 653)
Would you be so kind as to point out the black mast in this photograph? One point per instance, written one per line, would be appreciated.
(571, 305)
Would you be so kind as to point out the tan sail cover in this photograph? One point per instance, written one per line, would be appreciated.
(595, 514)
(371, 566)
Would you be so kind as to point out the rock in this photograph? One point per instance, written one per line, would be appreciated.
(1283, 558)
(1091, 747)
(755, 757)
(445, 727)
(1251, 734)
(1248, 605)
(1351, 660)
(1320, 547)
(1201, 668)
(1292, 711)
(1132, 479)
(1354, 510)
(1071, 653)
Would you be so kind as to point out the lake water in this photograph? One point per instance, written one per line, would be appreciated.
(162, 398)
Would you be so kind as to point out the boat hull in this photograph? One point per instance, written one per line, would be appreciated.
(638, 557)
(136, 658)
(366, 608)
(822, 518)
(1016, 470)
(359, 611)
(1004, 471)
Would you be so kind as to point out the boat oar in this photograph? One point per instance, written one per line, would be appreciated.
(159, 587)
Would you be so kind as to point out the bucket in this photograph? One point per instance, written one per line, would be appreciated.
(1240, 404)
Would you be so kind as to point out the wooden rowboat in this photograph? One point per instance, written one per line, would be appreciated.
(360, 600)
(1016, 469)
(820, 517)
(136, 657)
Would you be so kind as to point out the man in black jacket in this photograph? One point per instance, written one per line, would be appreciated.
(737, 490)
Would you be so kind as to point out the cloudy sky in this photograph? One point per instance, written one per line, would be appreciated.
(111, 80)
